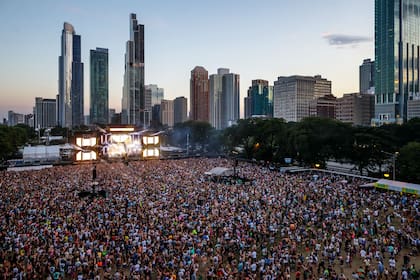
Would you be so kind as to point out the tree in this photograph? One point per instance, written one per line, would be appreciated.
(408, 163)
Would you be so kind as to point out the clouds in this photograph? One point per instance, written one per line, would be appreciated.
(341, 40)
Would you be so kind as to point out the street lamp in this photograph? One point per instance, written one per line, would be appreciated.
(394, 157)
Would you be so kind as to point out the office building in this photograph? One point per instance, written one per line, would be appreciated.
(70, 79)
(323, 107)
(199, 94)
(180, 110)
(45, 113)
(99, 84)
(259, 101)
(167, 112)
(156, 94)
(223, 98)
(397, 44)
(230, 100)
(215, 97)
(367, 76)
(14, 118)
(356, 108)
(293, 95)
(413, 108)
(136, 106)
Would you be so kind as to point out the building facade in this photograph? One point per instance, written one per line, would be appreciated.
(99, 86)
(14, 118)
(167, 112)
(294, 94)
(323, 107)
(70, 79)
(367, 76)
(215, 97)
(259, 101)
(136, 105)
(180, 110)
(156, 94)
(397, 44)
(223, 98)
(356, 108)
(45, 113)
(199, 94)
(230, 100)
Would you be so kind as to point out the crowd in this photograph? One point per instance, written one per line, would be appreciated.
(166, 220)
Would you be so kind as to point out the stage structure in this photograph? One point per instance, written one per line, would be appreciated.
(127, 143)
(85, 146)
(151, 145)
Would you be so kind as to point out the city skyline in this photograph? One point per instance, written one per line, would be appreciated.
(262, 40)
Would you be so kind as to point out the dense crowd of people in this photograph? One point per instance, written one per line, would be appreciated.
(167, 220)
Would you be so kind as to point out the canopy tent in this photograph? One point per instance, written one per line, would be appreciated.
(397, 186)
(220, 172)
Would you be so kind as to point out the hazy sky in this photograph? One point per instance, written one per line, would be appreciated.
(258, 39)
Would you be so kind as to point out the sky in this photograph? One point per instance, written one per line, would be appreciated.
(260, 39)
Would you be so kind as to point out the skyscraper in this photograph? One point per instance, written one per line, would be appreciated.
(367, 76)
(70, 79)
(167, 112)
(223, 98)
(136, 106)
(45, 113)
(180, 110)
(293, 95)
(259, 101)
(230, 100)
(215, 97)
(199, 94)
(156, 94)
(397, 44)
(99, 95)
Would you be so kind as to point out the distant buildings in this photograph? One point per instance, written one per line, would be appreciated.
(167, 112)
(356, 108)
(136, 106)
(14, 118)
(259, 101)
(223, 98)
(367, 76)
(199, 94)
(323, 107)
(70, 79)
(99, 94)
(397, 43)
(293, 95)
(180, 110)
(156, 94)
(45, 113)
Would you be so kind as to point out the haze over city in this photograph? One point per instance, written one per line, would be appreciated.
(256, 39)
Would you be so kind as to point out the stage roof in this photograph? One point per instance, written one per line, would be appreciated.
(397, 186)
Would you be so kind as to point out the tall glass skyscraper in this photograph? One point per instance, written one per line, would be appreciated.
(397, 49)
(70, 79)
(99, 96)
(136, 107)
(259, 101)
(367, 76)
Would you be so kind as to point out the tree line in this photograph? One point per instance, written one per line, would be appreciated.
(312, 141)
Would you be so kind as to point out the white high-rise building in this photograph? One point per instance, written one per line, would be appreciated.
(293, 95)
(223, 98)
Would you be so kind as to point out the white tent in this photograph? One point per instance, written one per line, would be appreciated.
(220, 171)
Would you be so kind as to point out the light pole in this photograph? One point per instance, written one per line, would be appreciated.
(394, 157)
